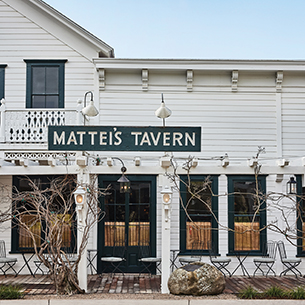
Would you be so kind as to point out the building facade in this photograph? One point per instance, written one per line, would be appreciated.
(48, 63)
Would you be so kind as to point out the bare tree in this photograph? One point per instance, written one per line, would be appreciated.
(289, 206)
(46, 220)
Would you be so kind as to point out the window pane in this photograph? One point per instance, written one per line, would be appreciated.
(246, 216)
(38, 80)
(245, 199)
(52, 101)
(200, 201)
(114, 233)
(52, 77)
(34, 225)
(38, 101)
(199, 205)
(247, 234)
(198, 234)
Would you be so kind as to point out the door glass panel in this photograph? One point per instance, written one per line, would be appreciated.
(139, 222)
(115, 218)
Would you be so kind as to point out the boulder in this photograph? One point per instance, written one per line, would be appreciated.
(196, 279)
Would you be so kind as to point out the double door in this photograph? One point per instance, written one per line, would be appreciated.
(129, 223)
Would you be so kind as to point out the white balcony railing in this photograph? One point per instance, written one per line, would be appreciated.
(30, 125)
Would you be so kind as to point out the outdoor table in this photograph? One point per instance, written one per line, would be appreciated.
(26, 262)
(91, 259)
(174, 256)
(241, 262)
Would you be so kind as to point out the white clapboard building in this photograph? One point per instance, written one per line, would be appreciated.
(223, 114)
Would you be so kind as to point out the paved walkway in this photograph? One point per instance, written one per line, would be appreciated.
(133, 284)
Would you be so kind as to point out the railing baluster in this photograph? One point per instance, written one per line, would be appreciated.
(31, 125)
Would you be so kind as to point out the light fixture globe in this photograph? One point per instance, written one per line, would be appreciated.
(166, 195)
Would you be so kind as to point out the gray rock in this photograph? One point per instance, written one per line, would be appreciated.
(196, 279)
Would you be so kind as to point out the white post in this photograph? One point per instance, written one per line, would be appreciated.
(79, 115)
(165, 256)
(3, 123)
(81, 223)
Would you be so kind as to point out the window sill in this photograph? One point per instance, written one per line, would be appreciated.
(245, 253)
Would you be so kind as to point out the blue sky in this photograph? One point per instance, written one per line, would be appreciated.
(194, 29)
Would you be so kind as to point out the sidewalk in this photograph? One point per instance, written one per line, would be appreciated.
(150, 302)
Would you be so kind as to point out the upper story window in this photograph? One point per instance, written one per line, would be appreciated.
(45, 83)
(2, 81)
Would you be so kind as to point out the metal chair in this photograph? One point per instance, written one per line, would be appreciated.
(267, 259)
(8, 262)
(197, 248)
(148, 260)
(219, 262)
(289, 263)
(118, 254)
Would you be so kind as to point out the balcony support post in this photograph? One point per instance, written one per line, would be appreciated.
(79, 115)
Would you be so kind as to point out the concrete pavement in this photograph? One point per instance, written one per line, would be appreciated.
(149, 302)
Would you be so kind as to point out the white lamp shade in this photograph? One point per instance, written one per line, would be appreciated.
(163, 112)
(90, 110)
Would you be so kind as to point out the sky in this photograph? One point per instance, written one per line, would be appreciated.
(194, 29)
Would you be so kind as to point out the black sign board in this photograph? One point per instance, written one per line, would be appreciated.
(122, 138)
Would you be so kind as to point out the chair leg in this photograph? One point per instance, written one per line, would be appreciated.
(270, 269)
(145, 268)
(116, 267)
(291, 267)
(258, 267)
(10, 266)
(38, 265)
(220, 266)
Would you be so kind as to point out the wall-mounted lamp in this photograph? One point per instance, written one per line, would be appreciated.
(79, 197)
(166, 200)
(124, 182)
(89, 110)
(291, 186)
(163, 112)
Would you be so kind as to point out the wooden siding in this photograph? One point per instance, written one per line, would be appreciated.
(21, 38)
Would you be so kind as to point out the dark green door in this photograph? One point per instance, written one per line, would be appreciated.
(129, 222)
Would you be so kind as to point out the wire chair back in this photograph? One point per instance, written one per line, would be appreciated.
(282, 250)
(269, 249)
(2, 249)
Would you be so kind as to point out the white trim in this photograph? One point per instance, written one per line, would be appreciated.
(196, 64)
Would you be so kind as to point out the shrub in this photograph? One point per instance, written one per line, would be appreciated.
(298, 293)
(248, 293)
(275, 292)
(10, 292)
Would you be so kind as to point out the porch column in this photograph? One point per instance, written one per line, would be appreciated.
(166, 196)
(83, 179)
